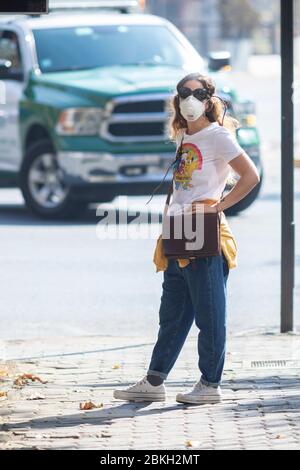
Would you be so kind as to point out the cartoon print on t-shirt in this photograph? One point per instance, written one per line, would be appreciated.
(190, 159)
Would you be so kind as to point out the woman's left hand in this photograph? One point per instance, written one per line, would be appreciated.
(212, 208)
(205, 207)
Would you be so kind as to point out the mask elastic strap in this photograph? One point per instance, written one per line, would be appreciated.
(172, 163)
(225, 106)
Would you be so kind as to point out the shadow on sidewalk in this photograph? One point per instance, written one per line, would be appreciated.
(96, 417)
(281, 400)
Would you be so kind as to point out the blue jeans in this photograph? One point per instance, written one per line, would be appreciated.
(195, 292)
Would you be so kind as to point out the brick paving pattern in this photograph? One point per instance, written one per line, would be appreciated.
(260, 407)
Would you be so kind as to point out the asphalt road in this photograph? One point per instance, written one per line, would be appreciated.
(60, 278)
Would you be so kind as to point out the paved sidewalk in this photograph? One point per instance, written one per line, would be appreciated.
(260, 410)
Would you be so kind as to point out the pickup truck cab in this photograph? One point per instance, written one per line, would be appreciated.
(83, 106)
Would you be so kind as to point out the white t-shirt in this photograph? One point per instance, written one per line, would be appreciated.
(202, 170)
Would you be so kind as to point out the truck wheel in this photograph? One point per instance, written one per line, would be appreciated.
(43, 186)
(247, 200)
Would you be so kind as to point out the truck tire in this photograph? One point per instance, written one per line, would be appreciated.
(43, 186)
(247, 200)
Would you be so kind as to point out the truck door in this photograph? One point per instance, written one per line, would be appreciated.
(11, 85)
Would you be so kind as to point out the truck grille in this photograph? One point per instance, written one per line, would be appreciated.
(145, 106)
(136, 118)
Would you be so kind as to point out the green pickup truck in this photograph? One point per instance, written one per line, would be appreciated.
(83, 106)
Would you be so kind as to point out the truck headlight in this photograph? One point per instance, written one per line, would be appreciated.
(79, 121)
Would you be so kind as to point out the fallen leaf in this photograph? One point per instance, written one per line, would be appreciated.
(19, 382)
(7, 370)
(3, 394)
(4, 371)
(24, 379)
(191, 443)
(279, 436)
(89, 405)
(116, 366)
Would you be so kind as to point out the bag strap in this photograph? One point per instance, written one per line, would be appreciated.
(170, 189)
(172, 163)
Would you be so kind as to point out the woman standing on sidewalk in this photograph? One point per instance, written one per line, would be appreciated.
(196, 290)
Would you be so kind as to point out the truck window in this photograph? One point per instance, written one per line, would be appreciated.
(20, 6)
(10, 50)
(84, 47)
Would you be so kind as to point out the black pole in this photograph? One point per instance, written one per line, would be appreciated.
(287, 166)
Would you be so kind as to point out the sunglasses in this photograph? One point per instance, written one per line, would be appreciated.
(199, 93)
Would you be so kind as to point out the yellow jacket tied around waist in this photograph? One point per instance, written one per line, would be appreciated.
(228, 245)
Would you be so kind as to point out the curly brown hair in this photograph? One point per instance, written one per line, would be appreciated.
(214, 113)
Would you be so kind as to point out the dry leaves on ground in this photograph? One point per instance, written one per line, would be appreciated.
(24, 379)
(89, 405)
(192, 443)
(3, 371)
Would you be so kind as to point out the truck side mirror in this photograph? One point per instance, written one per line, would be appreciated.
(218, 60)
(8, 73)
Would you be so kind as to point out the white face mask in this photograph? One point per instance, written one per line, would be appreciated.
(191, 108)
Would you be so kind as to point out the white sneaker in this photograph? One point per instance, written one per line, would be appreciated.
(142, 391)
(201, 394)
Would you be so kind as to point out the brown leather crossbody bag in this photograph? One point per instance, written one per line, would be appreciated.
(190, 234)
